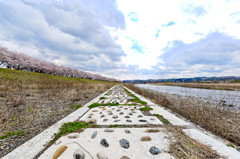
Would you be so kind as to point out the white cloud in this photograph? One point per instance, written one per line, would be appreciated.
(133, 43)
(191, 21)
(70, 33)
(29, 50)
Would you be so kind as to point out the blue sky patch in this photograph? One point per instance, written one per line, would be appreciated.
(133, 16)
(169, 24)
(137, 47)
(157, 34)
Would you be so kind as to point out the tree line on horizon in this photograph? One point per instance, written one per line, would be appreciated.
(23, 62)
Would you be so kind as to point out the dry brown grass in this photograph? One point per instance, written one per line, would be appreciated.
(29, 105)
(183, 147)
(218, 120)
(146, 138)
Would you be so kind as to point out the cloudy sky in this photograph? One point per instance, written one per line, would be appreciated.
(127, 39)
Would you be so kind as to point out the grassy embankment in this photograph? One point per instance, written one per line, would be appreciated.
(31, 102)
(221, 121)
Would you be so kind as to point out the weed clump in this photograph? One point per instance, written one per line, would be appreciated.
(11, 133)
(106, 104)
(75, 106)
(69, 128)
(146, 109)
(113, 126)
(160, 117)
(135, 98)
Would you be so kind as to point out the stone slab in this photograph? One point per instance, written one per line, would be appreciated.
(96, 113)
(137, 150)
(172, 118)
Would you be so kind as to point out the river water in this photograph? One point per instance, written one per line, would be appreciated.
(228, 98)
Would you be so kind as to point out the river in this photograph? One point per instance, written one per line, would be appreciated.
(228, 98)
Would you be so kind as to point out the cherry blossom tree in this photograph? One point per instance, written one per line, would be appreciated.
(20, 61)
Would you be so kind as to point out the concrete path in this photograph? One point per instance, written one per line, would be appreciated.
(139, 135)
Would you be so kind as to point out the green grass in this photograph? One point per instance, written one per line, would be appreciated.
(135, 98)
(165, 121)
(69, 128)
(10, 133)
(231, 145)
(142, 102)
(75, 106)
(25, 76)
(109, 92)
(146, 109)
(94, 105)
(113, 126)
(97, 105)
(15, 118)
(133, 104)
(30, 109)
(127, 91)
(103, 98)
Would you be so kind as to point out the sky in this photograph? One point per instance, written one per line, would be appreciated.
(127, 39)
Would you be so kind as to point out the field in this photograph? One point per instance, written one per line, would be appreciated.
(218, 86)
(31, 102)
(219, 120)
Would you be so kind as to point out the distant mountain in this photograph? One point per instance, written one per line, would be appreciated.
(184, 80)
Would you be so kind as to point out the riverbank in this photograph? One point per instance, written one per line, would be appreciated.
(214, 86)
(221, 98)
(218, 120)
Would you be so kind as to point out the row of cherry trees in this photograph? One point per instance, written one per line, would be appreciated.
(20, 61)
